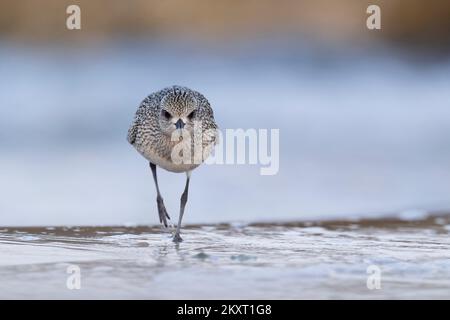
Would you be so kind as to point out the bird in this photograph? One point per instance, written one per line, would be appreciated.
(174, 129)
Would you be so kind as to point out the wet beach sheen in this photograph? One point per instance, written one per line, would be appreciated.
(322, 260)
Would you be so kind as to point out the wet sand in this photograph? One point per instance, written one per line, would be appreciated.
(322, 260)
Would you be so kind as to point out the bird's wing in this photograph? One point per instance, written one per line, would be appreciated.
(132, 132)
(149, 104)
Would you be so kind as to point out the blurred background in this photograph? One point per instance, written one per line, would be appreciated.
(364, 115)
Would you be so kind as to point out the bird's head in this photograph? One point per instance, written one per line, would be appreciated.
(178, 111)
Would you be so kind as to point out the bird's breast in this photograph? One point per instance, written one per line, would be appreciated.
(164, 156)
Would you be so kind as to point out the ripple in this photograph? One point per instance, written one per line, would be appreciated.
(269, 261)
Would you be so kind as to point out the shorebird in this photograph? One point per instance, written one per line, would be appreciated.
(168, 126)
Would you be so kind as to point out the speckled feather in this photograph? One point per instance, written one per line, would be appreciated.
(145, 133)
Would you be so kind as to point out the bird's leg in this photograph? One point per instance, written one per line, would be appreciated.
(184, 198)
(163, 215)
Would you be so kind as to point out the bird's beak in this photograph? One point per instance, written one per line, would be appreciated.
(179, 124)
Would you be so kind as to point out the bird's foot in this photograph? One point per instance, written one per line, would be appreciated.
(177, 238)
(163, 215)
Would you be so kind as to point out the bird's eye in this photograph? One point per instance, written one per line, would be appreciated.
(191, 115)
(166, 114)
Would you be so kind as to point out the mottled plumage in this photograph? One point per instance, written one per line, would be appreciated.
(147, 136)
(166, 121)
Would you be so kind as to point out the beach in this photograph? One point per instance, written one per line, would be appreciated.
(331, 175)
(291, 260)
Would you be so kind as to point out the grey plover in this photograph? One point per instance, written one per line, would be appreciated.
(164, 120)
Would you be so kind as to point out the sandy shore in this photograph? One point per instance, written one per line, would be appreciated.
(324, 260)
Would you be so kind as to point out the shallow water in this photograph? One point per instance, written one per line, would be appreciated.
(324, 260)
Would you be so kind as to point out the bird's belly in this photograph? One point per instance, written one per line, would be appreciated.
(167, 163)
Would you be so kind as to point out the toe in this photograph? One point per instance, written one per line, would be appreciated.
(164, 221)
(177, 238)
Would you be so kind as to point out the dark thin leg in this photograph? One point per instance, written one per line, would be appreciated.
(163, 216)
(184, 198)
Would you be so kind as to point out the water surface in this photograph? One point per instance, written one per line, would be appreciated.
(323, 260)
